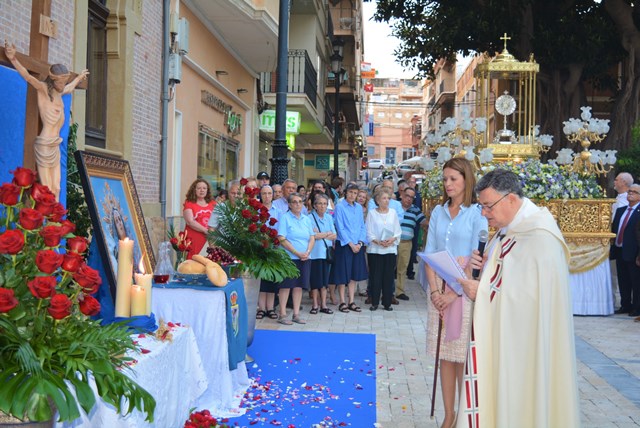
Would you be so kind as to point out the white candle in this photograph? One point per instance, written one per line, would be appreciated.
(125, 272)
(138, 301)
(144, 281)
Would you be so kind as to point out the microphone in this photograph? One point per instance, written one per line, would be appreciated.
(483, 236)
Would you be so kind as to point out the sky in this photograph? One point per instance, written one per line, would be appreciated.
(379, 46)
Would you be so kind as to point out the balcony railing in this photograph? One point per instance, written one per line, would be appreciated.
(302, 77)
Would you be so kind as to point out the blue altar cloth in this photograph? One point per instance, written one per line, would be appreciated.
(236, 308)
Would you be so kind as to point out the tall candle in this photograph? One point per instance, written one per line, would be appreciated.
(138, 301)
(125, 272)
(144, 281)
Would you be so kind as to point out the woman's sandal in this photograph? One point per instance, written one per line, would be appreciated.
(353, 307)
(298, 320)
(271, 314)
(326, 311)
(284, 321)
(260, 314)
(313, 311)
(343, 307)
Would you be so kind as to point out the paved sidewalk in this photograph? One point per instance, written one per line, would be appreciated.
(608, 351)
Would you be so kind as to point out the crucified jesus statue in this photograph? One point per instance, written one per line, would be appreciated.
(51, 109)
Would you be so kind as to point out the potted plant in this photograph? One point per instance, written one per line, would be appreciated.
(50, 348)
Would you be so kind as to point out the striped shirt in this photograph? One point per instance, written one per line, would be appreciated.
(411, 218)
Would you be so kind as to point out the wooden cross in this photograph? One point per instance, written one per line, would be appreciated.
(36, 63)
(505, 38)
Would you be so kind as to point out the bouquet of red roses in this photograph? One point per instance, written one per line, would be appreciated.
(180, 243)
(48, 343)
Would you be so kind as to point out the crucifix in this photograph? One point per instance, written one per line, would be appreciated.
(505, 38)
(44, 109)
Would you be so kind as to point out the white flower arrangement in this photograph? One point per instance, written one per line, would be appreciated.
(539, 181)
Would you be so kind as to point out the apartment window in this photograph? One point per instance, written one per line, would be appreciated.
(390, 155)
(217, 157)
(96, 109)
(408, 153)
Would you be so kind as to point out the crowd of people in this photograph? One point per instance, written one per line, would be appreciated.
(503, 337)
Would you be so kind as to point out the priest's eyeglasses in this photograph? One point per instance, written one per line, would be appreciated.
(490, 207)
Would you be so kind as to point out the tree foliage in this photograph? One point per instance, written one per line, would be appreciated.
(578, 44)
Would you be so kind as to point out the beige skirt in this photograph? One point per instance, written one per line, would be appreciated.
(455, 350)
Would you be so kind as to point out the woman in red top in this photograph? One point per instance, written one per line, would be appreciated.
(197, 209)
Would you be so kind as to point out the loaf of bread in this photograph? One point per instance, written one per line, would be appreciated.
(192, 267)
(203, 260)
(216, 275)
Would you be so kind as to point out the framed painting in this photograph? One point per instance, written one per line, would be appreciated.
(115, 212)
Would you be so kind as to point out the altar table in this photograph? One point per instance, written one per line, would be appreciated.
(171, 371)
(204, 310)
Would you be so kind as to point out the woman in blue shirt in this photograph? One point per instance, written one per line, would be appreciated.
(296, 235)
(325, 231)
(453, 226)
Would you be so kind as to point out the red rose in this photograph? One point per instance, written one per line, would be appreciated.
(43, 286)
(51, 235)
(174, 241)
(272, 221)
(88, 278)
(11, 242)
(30, 219)
(276, 242)
(265, 244)
(9, 194)
(60, 306)
(58, 213)
(71, 262)
(253, 228)
(273, 233)
(67, 227)
(263, 209)
(243, 181)
(77, 244)
(7, 300)
(182, 247)
(264, 228)
(248, 191)
(89, 306)
(48, 261)
(23, 177)
(46, 203)
(264, 216)
(246, 213)
(39, 190)
(255, 218)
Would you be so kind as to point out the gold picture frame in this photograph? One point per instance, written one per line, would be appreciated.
(115, 211)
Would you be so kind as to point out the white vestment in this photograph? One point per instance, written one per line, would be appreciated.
(521, 369)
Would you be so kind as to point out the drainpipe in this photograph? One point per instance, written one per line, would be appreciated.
(166, 40)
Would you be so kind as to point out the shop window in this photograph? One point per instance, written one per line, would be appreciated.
(408, 153)
(96, 109)
(217, 157)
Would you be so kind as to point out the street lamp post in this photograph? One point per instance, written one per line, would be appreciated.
(336, 68)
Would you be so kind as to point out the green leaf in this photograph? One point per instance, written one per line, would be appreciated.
(84, 393)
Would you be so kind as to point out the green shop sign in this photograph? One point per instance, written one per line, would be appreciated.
(268, 121)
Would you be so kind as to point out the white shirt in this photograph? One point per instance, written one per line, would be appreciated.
(624, 215)
(376, 224)
(621, 201)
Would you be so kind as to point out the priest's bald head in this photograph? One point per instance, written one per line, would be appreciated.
(500, 196)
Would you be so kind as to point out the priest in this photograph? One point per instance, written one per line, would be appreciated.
(521, 368)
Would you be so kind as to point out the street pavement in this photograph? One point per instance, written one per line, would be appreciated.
(607, 349)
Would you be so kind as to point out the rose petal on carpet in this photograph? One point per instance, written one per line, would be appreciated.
(310, 379)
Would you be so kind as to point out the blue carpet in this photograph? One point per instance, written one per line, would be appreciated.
(308, 379)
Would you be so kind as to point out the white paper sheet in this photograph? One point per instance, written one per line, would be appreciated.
(446, 267)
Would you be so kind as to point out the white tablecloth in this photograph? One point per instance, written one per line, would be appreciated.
(591, 291)
(172, 372)
(204, 311)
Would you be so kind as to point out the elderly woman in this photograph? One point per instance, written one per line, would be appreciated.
(453, 226)
(198, 206)
(267, 288)
(383, 234)
(296, 236)
(325, 235)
